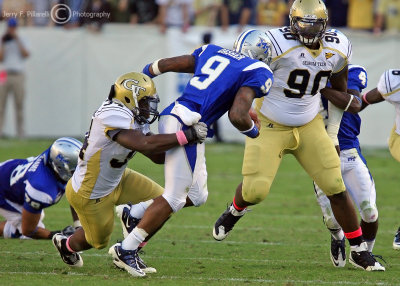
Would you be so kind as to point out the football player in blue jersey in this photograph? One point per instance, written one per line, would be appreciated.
(28, 186)
(355, 173)
(224, 81)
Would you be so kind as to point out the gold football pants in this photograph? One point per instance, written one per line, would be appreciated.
(97, 215)
(311, 146)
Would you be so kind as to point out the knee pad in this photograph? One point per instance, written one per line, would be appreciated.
(176, 204)
(255, 190)
(369, 213)
(199, 199)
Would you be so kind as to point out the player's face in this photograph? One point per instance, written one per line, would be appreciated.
(144, 108)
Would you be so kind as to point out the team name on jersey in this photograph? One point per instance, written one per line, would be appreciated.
(231, 54)
(35, 165)
(315, 64)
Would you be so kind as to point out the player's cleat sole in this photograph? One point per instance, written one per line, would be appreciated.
(226, 222)
(71, 258)
(338, 252)
(361, 258)
(142, 265)
(126, 259)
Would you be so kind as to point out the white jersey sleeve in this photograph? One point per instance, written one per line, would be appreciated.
(389, 88)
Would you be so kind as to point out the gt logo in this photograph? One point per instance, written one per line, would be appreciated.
(131, 84)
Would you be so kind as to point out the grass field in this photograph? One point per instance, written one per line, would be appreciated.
(282, 241)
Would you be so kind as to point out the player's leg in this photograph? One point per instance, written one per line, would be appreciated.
(338, 247)
(18, 86)
(324, 168)
(97, 219)
(262, 157)
(178, 178)
(11, 227)
(361, 188)
(139, 190)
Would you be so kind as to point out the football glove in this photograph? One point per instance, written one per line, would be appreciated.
(197, 133)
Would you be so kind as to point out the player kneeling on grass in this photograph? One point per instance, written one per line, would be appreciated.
(119, 129)
(27, 186)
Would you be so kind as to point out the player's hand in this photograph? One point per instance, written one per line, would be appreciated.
(254, 117)
(68, 230)
(197, 133)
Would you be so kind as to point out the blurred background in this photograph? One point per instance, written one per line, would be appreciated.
(73, 50)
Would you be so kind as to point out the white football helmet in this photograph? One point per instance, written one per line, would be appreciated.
(63, 156)
(254, 44)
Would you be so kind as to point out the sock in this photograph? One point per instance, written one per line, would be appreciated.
(355, 237)
(134, 239)
(239, 209)
(337, 234)
(370, 244)
(138, 210)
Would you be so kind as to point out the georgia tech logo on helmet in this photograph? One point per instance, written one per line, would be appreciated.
(131, 84)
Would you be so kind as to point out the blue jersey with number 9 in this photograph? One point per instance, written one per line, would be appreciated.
(219, 74)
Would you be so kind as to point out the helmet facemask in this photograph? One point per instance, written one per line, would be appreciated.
(146, 110)
(309, 30)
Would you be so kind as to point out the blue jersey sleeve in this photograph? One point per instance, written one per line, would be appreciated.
(357, 79)
(259, 77)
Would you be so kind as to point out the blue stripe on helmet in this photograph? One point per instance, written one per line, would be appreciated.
(242, 37)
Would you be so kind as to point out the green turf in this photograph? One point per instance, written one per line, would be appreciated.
(282, 241)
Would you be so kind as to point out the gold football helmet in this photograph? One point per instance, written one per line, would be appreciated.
(308, 20)
(138, 92)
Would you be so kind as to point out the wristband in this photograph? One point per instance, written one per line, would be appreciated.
(364, 98)
(252, 132)
(182, 140)
(146, 71)
(155, 68)
(348, 104)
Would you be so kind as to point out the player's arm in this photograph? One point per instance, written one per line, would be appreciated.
(183, 64)
(29, 226)
(137, 141)
(239, 112)
(158, 158)
(339, 96)
(371, 97)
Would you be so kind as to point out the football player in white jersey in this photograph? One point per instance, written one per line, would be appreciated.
(119, 129)
(388, 89)
(305, 56)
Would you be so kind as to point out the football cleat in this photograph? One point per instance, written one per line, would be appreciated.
(143, 266)
(361, 258)
(128, 222)
(226, 222)
(338, 252)
(396, 240)
(71, 258)
(126, 259)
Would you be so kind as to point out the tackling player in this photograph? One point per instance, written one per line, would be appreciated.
(119, 129)
(28, 186)
(388, 89)
(305, 56)
(223, 80)
(355, 173)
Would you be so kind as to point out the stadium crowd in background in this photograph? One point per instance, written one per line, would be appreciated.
(369, 15)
